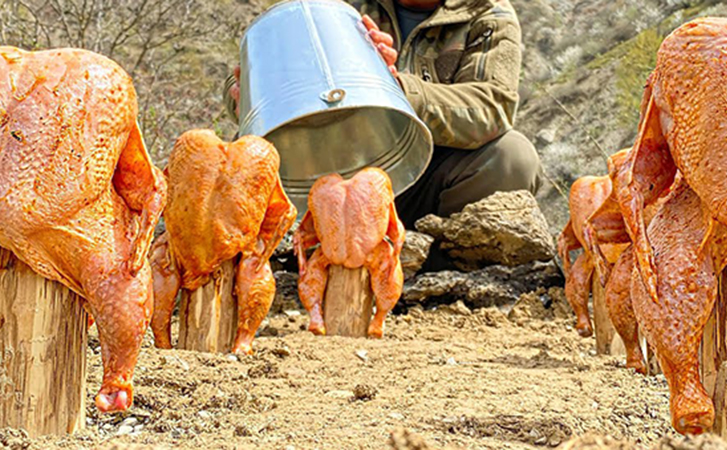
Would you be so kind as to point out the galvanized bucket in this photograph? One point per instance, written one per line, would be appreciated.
(313, 83)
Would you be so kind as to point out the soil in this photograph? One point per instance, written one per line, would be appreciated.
(445, 378)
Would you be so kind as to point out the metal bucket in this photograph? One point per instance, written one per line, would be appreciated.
(313, 83)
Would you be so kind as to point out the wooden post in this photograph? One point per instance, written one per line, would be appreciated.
(208, 315)
(348, 302)
(713, 361)
(43, 333)
(603, 328)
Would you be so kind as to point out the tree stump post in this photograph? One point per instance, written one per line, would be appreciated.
(713, 361)
(208, 315)
(43, 333)
(348, 302)
(602, 326)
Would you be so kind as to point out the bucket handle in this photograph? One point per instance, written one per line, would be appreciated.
(333, 96)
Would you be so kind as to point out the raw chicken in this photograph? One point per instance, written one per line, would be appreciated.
(79, 196)
(687, 283)
(684, 110)
(225, 199)
(356, 224)
(587, 194)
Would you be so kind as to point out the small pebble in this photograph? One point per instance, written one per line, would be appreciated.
(130, 422)
(362, 355)
(396, 416)
(292, 313)
(138, 428)
(204, 414)
(281, 352)
(592, 352)
(451, 362)
(89, 421)
(232, 357)
(125, 429)
(339, 394)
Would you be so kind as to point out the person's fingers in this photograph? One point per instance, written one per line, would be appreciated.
(235, 92)
(394, 71)
(236, 72)
(369, 23)
(390, 55)
(379, 37)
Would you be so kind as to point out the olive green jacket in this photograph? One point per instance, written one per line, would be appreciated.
(459, 69)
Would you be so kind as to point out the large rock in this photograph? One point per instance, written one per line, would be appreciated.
(491, 286)
(415, 252)
(505, 228)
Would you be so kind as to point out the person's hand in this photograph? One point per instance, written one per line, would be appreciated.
(384, 42)
(235, 90)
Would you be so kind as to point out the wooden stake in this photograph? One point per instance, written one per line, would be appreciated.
(348, 302)
(603, 328)
(43, 334)
(713, 358)
(208, 315)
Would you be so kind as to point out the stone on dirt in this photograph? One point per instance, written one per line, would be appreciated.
(505, 228)
(491, 286)
(415, 252)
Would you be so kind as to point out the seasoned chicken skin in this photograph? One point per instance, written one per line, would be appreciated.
(684, 110)
(356, 224)
(79, 196)
(587, 194)
(225, 199)
(686, 274)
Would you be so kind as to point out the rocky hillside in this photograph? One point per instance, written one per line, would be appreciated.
(584, 67)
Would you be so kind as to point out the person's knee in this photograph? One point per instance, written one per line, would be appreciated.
(508, 164)
(515, 162)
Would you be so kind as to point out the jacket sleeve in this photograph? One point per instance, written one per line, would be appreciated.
(481, 102)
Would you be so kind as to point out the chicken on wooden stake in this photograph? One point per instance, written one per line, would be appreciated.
(683, 113)
(79, 196)
(586, 195)
(356, 224)
(225, 199)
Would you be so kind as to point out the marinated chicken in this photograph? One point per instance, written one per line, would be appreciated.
(356, 224)
(586, 195)
(225, 200)
(79, 196)
(682, 127)
(687, 284)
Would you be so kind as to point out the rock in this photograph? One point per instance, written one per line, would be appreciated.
(592, 441)
(458, 308)
(403, 439)
(415, 252)
(362, 355)
(701, 442)
(364, 392)
(491, 286)
(339, 394)
(505, 228)
(286, 293)
(131, 421)
(125, 429)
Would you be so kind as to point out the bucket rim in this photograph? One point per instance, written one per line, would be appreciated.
(413, 117)
(286, 3)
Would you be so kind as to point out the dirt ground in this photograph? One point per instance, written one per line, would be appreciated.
(448, 377)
